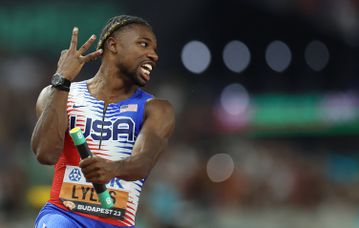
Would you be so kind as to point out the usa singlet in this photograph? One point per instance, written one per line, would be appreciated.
(111, 134)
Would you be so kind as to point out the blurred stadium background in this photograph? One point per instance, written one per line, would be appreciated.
(266, 95)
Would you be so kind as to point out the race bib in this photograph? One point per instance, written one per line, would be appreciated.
(78, 195)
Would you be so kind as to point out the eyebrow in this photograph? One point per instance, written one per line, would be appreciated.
(148, 39)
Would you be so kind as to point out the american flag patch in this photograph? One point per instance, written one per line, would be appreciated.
(128, 108)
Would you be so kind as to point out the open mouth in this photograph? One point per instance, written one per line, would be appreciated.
(146, 69)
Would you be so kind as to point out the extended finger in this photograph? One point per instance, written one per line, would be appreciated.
(87, 45)
(92, 55)
(73, 44)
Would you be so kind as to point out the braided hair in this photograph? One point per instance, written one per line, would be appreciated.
(117, 23)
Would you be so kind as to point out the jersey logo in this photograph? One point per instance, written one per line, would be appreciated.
(78, 106)
(75, 175)
(128, 108)
(121, 129)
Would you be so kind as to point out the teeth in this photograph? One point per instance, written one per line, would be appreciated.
(146, 71)
(147, 66)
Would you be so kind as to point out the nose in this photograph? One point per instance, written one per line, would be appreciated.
(153, 55)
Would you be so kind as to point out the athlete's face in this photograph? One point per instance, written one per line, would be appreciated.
(136, 53)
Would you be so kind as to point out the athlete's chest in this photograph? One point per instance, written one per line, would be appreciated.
(115, 122)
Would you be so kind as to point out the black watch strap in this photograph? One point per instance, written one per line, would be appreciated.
(60, 82)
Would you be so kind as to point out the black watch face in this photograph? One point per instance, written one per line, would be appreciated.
(56, 80)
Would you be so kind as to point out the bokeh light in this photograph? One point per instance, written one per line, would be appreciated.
(196, 56)
(317, 55)
(278, 56)
(220, 167)
(234, 99)
(236, 56)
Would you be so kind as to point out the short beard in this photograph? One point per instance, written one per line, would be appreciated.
(130, 76)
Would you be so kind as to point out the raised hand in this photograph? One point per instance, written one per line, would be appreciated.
(72, 60)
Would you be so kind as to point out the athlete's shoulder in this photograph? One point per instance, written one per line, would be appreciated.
(159, 106)
(144, 95)
(159, 103)
(160, 117)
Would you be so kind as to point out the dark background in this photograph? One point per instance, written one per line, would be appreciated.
(289, 157)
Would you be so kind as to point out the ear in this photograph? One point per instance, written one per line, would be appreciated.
(111, 44)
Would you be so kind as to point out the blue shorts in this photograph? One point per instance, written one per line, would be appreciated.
(51, 216)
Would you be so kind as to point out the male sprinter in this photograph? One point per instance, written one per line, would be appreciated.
(125, 127)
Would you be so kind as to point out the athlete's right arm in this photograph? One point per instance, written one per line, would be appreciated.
(47, 139)
(48, 135)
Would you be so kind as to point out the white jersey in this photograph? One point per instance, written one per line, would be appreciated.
(110, 134)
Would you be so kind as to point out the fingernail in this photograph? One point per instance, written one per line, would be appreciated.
(100, 51)
(93, 37)
(75, 29)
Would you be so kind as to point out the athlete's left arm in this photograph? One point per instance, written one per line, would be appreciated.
(156, 130)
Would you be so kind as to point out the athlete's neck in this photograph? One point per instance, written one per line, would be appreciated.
(110, 87)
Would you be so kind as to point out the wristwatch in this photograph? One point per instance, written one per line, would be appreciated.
(61, 83)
